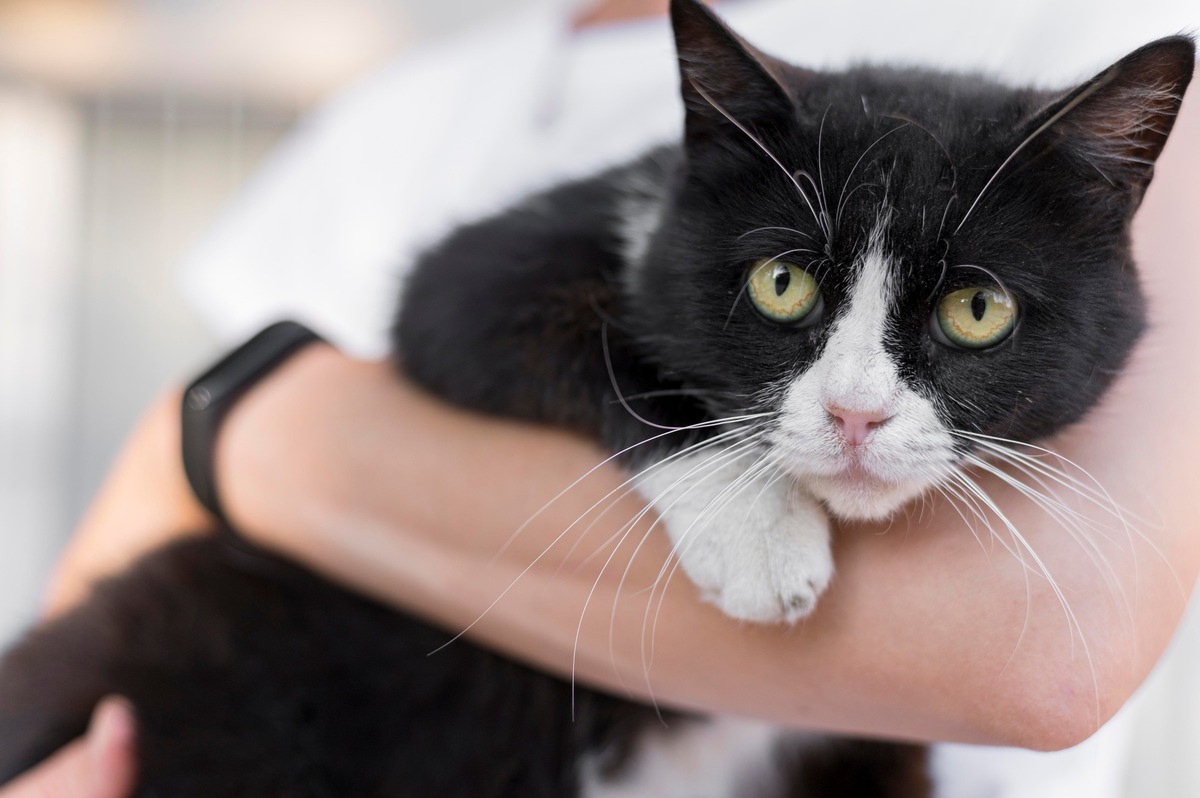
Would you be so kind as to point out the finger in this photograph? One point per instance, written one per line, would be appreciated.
(111, 743)
(100, 765)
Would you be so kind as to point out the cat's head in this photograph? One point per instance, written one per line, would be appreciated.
(896, 262)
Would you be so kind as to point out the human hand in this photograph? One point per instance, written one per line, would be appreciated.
(99, 765)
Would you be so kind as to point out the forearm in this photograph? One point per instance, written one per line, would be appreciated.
(924, 634)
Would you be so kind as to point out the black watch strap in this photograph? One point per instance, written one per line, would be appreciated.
(213, 393)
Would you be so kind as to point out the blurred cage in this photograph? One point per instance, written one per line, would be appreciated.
(124, 126)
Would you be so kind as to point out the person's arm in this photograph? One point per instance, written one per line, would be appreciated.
(925, 634)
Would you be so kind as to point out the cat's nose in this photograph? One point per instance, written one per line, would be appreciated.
(857, 425)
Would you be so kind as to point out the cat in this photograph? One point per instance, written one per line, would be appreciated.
(822, 301)
(876, 196)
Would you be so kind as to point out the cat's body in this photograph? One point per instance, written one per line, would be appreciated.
(251, 677)
(828, 297)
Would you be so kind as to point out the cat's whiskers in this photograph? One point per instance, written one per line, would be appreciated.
(764, 467)
(723, 456)
(971, 499)
(824, 221)
(563, 492)
(720, 422)
(1038, 473)
(633, 483)
(697, 392)
(791, 230)
(821, 177)
(1091, 490)
(616, 386)
(1076, 525)
(1081, 526)
(758, 142)
(1095, 492)
(843, 198)
(964, 403)
(675, 558)
(713, 465)
(1066, 109)
(944, 487)
(1075, 629)
(953, 488)
(766, 462)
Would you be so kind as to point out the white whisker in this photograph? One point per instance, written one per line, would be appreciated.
(690, 428)
(1066, 109)
(708, 98)
(711, 464)
(1073, 625)
(674, 557)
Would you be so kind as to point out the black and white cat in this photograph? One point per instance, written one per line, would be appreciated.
(824, 301)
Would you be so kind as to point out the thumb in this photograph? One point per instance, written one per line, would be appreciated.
(100, 765)
(111, 741)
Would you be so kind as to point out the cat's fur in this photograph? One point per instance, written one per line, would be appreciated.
(617, 306)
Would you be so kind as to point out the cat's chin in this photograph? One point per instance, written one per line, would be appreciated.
(856, 497)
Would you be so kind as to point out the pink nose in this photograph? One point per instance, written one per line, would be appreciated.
(857, 425)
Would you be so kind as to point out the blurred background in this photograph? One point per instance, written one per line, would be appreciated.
(124, 127)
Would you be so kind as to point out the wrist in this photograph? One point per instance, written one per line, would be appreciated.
(267, 460)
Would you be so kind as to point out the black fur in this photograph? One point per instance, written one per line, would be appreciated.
(1052, 226)
(252, 677)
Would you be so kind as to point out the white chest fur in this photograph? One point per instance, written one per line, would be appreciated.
(703, 759)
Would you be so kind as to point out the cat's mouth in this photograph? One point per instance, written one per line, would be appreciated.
(862, 495)
(859, 480)
(854, 488)
(858, 474)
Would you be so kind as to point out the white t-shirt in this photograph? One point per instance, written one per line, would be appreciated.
(458, 130)
(455, 131)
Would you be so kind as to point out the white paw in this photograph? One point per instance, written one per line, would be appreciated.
(768, 568)
(761, 554)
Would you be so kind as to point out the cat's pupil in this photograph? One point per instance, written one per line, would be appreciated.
(783, 277)
(978, 306)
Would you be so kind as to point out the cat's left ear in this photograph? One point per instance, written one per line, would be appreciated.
(1117, 123)
(730, 90)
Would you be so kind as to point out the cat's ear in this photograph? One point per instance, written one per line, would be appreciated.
(730, 90)
(1117, 123)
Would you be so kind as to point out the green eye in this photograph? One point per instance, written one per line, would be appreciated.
(975, 318)
(783, 292)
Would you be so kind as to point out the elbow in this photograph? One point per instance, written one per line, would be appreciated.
(1053, 728)
(1053, 714)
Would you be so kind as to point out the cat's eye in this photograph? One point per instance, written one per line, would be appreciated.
(975, 318)
(783, 292)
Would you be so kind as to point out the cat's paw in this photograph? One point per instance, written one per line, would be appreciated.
(757, 548)
(770, 571)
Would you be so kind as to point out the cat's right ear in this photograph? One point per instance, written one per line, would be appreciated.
(731, 92)
(1115, 125)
